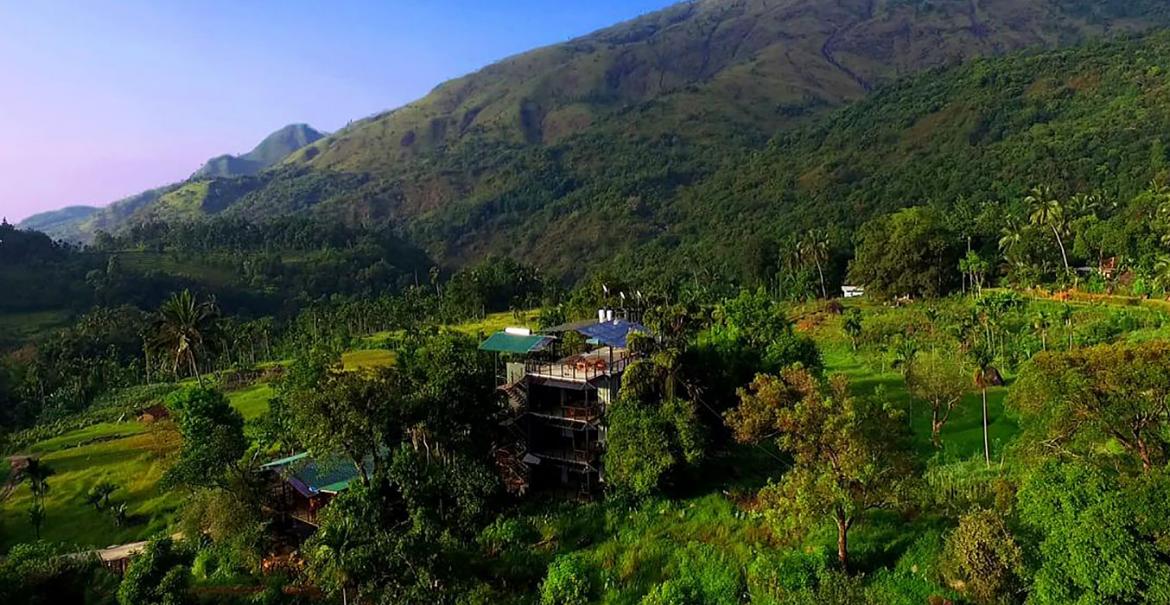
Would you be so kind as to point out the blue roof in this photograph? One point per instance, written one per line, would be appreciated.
(612, 333)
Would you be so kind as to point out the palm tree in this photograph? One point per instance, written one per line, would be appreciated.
(1010, 236)
(1049, 212)
(335, 543)
(814, 247)
(905, 351)
(1041, 323)
(852, 326)
(184, 328)
(1066, 317)
(985, 376)
(37, 473)
(1162, 274)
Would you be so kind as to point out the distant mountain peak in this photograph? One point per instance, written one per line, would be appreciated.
(274, 148)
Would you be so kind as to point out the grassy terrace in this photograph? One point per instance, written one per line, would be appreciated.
(133, 456)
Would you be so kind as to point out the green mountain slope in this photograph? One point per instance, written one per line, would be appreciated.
(186, 200)
(587, 143)
(274, 148)
(1084, 120)
(581, 151)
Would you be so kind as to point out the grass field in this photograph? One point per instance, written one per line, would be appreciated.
(493, 322)
(23, 327)
(962, 436)
(131, 455)
(367, 358)
(128, 455)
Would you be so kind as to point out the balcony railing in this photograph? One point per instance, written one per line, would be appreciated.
(582, 369)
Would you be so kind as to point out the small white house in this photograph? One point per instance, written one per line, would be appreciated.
(852, 291)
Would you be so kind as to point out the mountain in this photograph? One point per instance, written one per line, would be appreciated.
(972, 139)
(176, 201)
(56, 220)
(569, 155)
(274, 148)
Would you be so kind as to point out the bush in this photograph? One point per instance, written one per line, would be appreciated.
(983, 558)
(567, 582)
(506, 533)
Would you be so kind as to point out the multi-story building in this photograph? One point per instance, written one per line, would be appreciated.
(557, 386)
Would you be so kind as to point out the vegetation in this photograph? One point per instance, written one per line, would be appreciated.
(988, 424)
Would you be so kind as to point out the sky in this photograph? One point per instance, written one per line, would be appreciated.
(104, 99)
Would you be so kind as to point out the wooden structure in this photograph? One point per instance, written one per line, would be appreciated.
(299, 486)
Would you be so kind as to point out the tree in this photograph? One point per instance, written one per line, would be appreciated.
(908, 253)
(37, 474)
(814, 248)
(1041, 324)
(1073, 403)
(938, 381)
(851, 324)
(99, 495)
(160, 575)
(213, 440)
(1048, 212)
(1101, 539)
(850, 455)
(982, 554)
(986, 376)
(650, 434)
(356, 413)
(184, 329)
(974, 270)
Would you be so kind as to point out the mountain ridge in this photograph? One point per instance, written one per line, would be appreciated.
(561, 139)
(81, 222)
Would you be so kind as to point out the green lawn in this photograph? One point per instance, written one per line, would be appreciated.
(367, 358)
(493, 322)
(962, 436)
(252, 402)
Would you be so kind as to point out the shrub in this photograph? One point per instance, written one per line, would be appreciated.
(983, 559)
(567, 582)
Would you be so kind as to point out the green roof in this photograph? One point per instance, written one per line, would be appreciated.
(309, 477)
(503, 342)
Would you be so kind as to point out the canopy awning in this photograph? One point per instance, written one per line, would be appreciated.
(502, 342)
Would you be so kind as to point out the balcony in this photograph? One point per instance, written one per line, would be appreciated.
(581, 368)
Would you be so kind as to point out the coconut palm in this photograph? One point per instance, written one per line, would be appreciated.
(986, 375)
(37, 474)
(1041, 323)
(814, 248)
(1049, 212)
(184, 328)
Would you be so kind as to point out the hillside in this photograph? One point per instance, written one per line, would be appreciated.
(1084, 120)
(177, 201)
(274, 148)
(589, 143)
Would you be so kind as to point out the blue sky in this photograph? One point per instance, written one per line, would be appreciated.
(99, 100)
